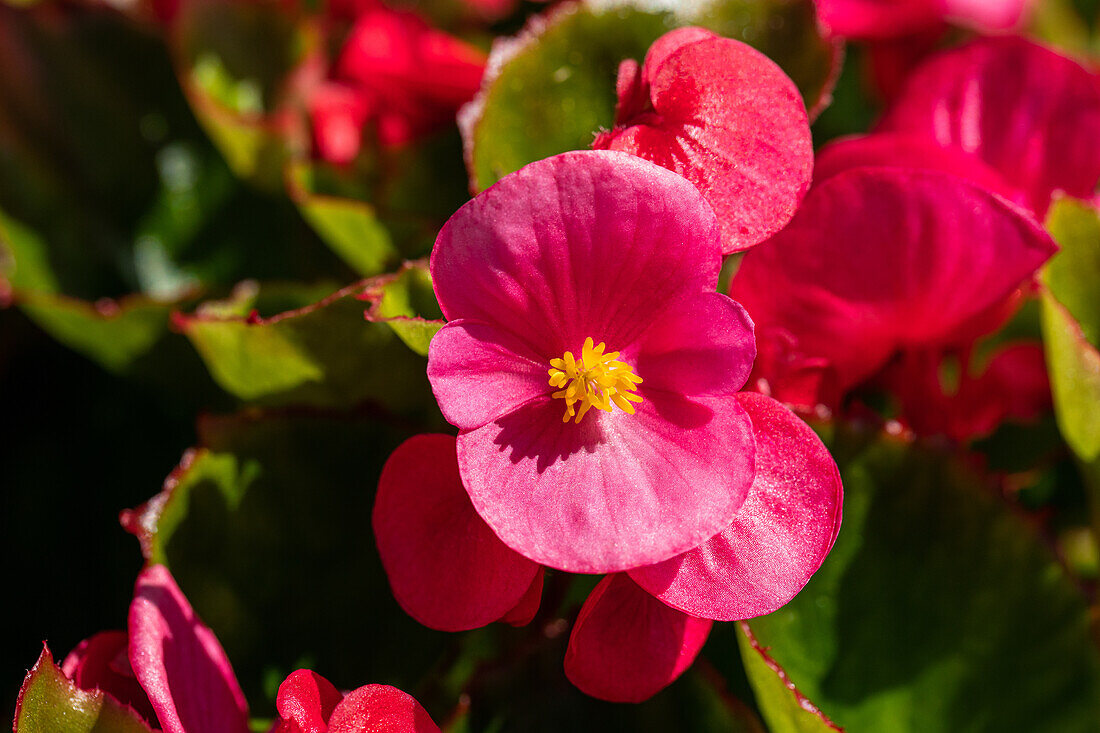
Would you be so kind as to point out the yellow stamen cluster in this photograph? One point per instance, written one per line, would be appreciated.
(596, 380)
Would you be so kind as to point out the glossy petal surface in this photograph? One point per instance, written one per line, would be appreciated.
(728, 119)
(778, 539)
(1030, 114)
(380, 708)
(627, 646)
(305, 702)
(590, 243)
(100, 662)
(179, 662)
(617, 490)
(446, 567)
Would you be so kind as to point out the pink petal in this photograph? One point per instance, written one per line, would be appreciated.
(716, 359)
(446, 567)
(880, 259)
(627, 646)
(180, 663)
(867, 19)
(728, 119)
(338, 113)
(101, 663)
(479, 372)
(305, 702)
(1029, 113)
(615, 491)
(778, 539)
(581, 244)
(907, 150)
(524, 612)
(380, 708)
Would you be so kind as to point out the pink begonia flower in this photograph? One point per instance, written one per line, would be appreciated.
(308, 703)
(727, 118)
(446, 567)
(179, 662)
(883, 19)
(1026, 112)
(169, 668)
(397, 75)
(597, 269)
(881, 261)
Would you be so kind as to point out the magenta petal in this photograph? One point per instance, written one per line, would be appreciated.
(627, 646)
(500, 370)
(615, 491)
(588, 243)
(778, 539)
(879, 259)
(728, 119)
(446, 567)
(180, 663)
(1028, 112)
(877, 19)
(380, 708)
(701, 345)
(907, 150)
(306, 701)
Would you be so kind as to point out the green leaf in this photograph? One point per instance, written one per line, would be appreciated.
(325, 354)
(552, 88)
(785, 707)
(267, 531)
(406, 303)
(938, 609)
(1071, 334)
(50, 703)
(1073, 273)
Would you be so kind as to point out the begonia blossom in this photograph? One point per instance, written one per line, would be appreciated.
(308, 703)
(882, 261)
(727, 118)
(596, 269)
(396, 75)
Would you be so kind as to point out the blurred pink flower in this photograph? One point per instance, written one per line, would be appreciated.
(727, 118)
(397, 77)
(882, 19)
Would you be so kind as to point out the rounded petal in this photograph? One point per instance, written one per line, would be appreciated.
(1029, 113)
(614, 491)
(701, 345)
(179, 662)
(878, 259)
(583, 244)
(479, 372)
(305, 702)
(446, 567)
(729, 120)
(778, 539)
(627, 646)
(380, 708)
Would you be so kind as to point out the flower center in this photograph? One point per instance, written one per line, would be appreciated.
(595, 380)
